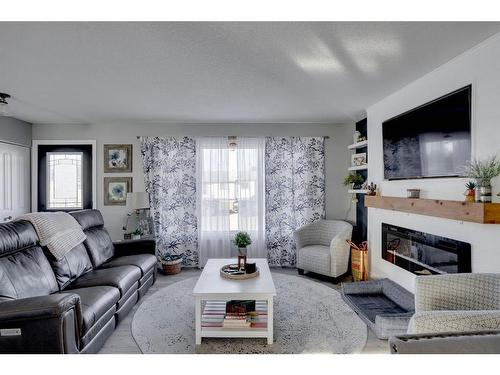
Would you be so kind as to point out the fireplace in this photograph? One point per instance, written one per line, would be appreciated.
(423, 253)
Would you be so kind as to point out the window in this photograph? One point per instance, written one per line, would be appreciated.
(64, 180)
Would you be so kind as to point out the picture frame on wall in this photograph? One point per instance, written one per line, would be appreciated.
(118, 158)
(358, 160)
(116, 189)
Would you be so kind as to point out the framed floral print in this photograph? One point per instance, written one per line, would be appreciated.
(116, 189)
(117, 158)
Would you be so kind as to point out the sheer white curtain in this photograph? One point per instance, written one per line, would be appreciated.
(230, 196)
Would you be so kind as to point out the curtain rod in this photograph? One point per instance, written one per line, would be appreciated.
(325, 136)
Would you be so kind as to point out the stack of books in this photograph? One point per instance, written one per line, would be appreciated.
(234, 314)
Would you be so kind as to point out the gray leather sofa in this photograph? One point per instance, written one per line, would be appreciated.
(71, 305)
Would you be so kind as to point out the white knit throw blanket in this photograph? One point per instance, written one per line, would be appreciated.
(59, 231)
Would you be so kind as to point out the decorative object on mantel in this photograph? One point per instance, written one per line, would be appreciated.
(355, 179)
(359, 260)
(483, 171)
(413, 193)
(233, 272)
(372, 189)
(470, 193)
(118, 158)
(171, 262)
(482, 213)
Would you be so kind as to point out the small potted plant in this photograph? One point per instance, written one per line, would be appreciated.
(136, 234)
(242, 240)
(354, 179)
(483, 171)
(171, 263)
(470, 193)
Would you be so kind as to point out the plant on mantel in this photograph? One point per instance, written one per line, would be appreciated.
(483, 171)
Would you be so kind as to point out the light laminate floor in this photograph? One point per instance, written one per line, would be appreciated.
(122, 342)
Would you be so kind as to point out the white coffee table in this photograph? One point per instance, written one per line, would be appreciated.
(211, 286)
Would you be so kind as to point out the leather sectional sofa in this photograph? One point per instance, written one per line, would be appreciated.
(71, 305)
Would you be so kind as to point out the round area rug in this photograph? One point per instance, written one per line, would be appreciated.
(308, 318)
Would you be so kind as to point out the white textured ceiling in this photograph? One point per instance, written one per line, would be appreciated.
(218, 72)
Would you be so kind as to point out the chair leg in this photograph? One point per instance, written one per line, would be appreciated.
(300, 271)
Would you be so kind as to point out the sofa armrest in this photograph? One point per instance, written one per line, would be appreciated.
(478, 342)
(132, 247)
(44, 324)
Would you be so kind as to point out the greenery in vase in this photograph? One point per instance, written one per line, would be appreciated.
(137, 232)
(242, 239)
(168, 256)
(353, 178)
(482, 170)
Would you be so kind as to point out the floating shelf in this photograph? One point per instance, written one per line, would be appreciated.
(356, 145)
(483, 213)
(357, 191)
(359, 168)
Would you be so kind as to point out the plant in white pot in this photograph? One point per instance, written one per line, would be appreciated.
(242, 240)
(483, 171)
(136, 234)
(171, 262)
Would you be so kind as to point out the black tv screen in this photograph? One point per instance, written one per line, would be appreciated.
(433, 140)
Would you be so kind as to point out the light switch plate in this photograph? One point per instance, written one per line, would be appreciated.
(10, 332)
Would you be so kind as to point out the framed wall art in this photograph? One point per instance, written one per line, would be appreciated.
(117, 158)
(116, 189)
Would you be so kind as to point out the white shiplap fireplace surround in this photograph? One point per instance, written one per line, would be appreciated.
(478, 67)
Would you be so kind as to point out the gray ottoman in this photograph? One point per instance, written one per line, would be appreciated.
(383, 305)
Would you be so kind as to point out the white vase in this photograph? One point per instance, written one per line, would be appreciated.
(136, 236)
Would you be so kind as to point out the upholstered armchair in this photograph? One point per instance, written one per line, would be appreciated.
(322, 247)
(454, 313)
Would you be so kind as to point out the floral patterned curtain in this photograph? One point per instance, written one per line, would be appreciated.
(295, 192)
(170, 177)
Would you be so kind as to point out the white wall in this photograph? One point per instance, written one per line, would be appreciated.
(480, 67)
(337, 155)
(15, 131)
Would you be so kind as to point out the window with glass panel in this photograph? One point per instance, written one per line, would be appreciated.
(64, 180)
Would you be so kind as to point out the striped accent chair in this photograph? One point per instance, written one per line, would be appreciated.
(322, 247)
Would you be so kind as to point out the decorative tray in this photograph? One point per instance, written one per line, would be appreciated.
(230, 271)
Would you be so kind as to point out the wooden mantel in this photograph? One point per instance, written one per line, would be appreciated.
(483, 213)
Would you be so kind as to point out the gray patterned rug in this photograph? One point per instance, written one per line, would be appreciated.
(308, 318)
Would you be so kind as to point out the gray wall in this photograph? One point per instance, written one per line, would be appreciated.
(337, 155)
(15, 131)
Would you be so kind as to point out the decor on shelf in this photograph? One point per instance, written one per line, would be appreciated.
(483, 171)
(136, 234)
(171, 263)
(355, 136)
(116, 189)
(372, 189)
(358, 160)
(359, 260)
(413, 193)
(354, 179)
(470, 193)
(117, 158)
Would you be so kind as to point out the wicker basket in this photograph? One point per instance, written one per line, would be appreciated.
(171, 267)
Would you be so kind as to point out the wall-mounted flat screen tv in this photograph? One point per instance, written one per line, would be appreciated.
(433, 140)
